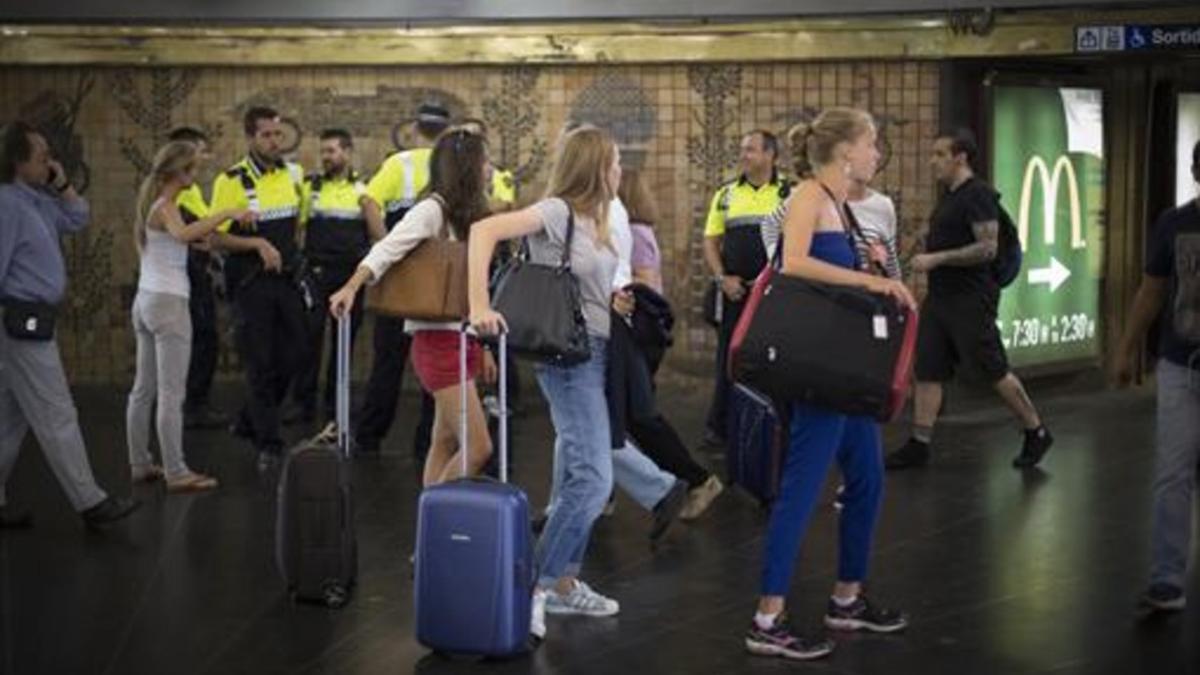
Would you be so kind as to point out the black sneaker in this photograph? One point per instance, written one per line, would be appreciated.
(12, 518)
(110, 510)
(1037, 442)
(912, 454)
(1164, 597)
(862, 615)
(667, 509)
(778, 640)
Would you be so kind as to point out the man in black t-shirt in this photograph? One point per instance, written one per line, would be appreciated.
(958, 317)
(1170, 291)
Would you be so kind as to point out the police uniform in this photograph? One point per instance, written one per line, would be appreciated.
(736, 214)
(503, 188)
(502, 196)
(202, 305)
(395, 189)
(268, 306)
(335, 239)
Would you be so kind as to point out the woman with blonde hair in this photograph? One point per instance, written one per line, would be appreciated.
(583, 181)
(830, 153)
(161, 320)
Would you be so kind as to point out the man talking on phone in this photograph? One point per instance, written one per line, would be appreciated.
(38, 204)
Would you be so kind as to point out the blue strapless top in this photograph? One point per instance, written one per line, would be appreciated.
(834, 248)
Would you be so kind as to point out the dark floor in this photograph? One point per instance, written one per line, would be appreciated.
(1001, 572)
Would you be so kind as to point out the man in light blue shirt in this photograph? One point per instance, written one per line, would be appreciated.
(37, 206)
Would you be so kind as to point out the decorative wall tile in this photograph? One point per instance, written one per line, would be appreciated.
(680, 123)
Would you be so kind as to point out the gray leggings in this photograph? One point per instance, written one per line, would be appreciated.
(163, 328)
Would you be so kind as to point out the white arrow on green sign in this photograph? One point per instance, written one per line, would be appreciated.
(1053, 276)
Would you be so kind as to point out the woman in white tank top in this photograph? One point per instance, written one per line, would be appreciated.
(161, 320)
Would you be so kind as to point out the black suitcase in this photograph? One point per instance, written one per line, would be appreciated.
(315, 543)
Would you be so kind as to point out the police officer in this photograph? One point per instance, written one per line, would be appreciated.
(734, 251)
(393, 190)
(336, 237)
(261, 270)
(202, 303)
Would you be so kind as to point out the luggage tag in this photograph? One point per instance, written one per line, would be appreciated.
(880, 327)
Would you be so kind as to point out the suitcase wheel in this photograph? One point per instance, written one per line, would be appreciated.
(335, 595)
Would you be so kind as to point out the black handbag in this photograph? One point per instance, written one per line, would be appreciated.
(29, 320)
(542, 306)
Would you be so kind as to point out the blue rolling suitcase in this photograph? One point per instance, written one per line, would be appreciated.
(756, 437)
(474, 561)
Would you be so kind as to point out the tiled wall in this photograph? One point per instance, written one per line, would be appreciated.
(679, 123)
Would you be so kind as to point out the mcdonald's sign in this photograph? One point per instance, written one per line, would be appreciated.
(1050, 180)
(1048, 163)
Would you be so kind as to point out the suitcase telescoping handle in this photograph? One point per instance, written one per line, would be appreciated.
(502, 358)
(342, 397)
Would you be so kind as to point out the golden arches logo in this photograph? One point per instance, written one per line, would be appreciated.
(1050, 183)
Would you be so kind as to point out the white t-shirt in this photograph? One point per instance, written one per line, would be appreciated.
(876, 215)
(423, 221)
(622, 236)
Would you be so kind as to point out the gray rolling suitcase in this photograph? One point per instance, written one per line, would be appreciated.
(316, 547)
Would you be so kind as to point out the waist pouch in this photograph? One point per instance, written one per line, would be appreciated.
(24, 320)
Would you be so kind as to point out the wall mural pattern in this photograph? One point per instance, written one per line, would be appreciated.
(680, 124)
(513, 112)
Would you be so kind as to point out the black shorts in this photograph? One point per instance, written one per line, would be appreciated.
(960, 330)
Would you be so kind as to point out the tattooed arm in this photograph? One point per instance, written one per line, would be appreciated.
(983, 250)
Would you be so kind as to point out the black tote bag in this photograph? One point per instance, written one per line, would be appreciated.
(542, 307)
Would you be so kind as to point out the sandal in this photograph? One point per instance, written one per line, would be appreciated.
(191, 482)
(146, 473)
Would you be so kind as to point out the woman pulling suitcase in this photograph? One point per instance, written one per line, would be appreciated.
(583, 182)
(835, 149)
(456, 198)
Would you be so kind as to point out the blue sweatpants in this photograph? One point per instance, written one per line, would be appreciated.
(817, 436)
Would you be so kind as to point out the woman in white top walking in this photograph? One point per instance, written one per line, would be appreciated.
(456, 197)
(161, 320)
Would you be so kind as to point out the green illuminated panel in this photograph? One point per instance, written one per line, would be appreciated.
(1048, 165)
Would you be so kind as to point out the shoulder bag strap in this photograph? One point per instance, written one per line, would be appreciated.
(565, 263)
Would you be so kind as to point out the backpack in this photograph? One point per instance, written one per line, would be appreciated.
(1006, 266)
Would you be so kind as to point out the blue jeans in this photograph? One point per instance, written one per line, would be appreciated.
(583, 455)
(1176, 455)
(817, 437)
(633, 472)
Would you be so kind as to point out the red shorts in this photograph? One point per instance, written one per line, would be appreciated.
(435, 358)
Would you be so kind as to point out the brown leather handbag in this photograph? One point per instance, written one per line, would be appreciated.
(428, 284)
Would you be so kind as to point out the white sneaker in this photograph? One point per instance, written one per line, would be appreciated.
(537, 619)
(700, 498)
(582, 600)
